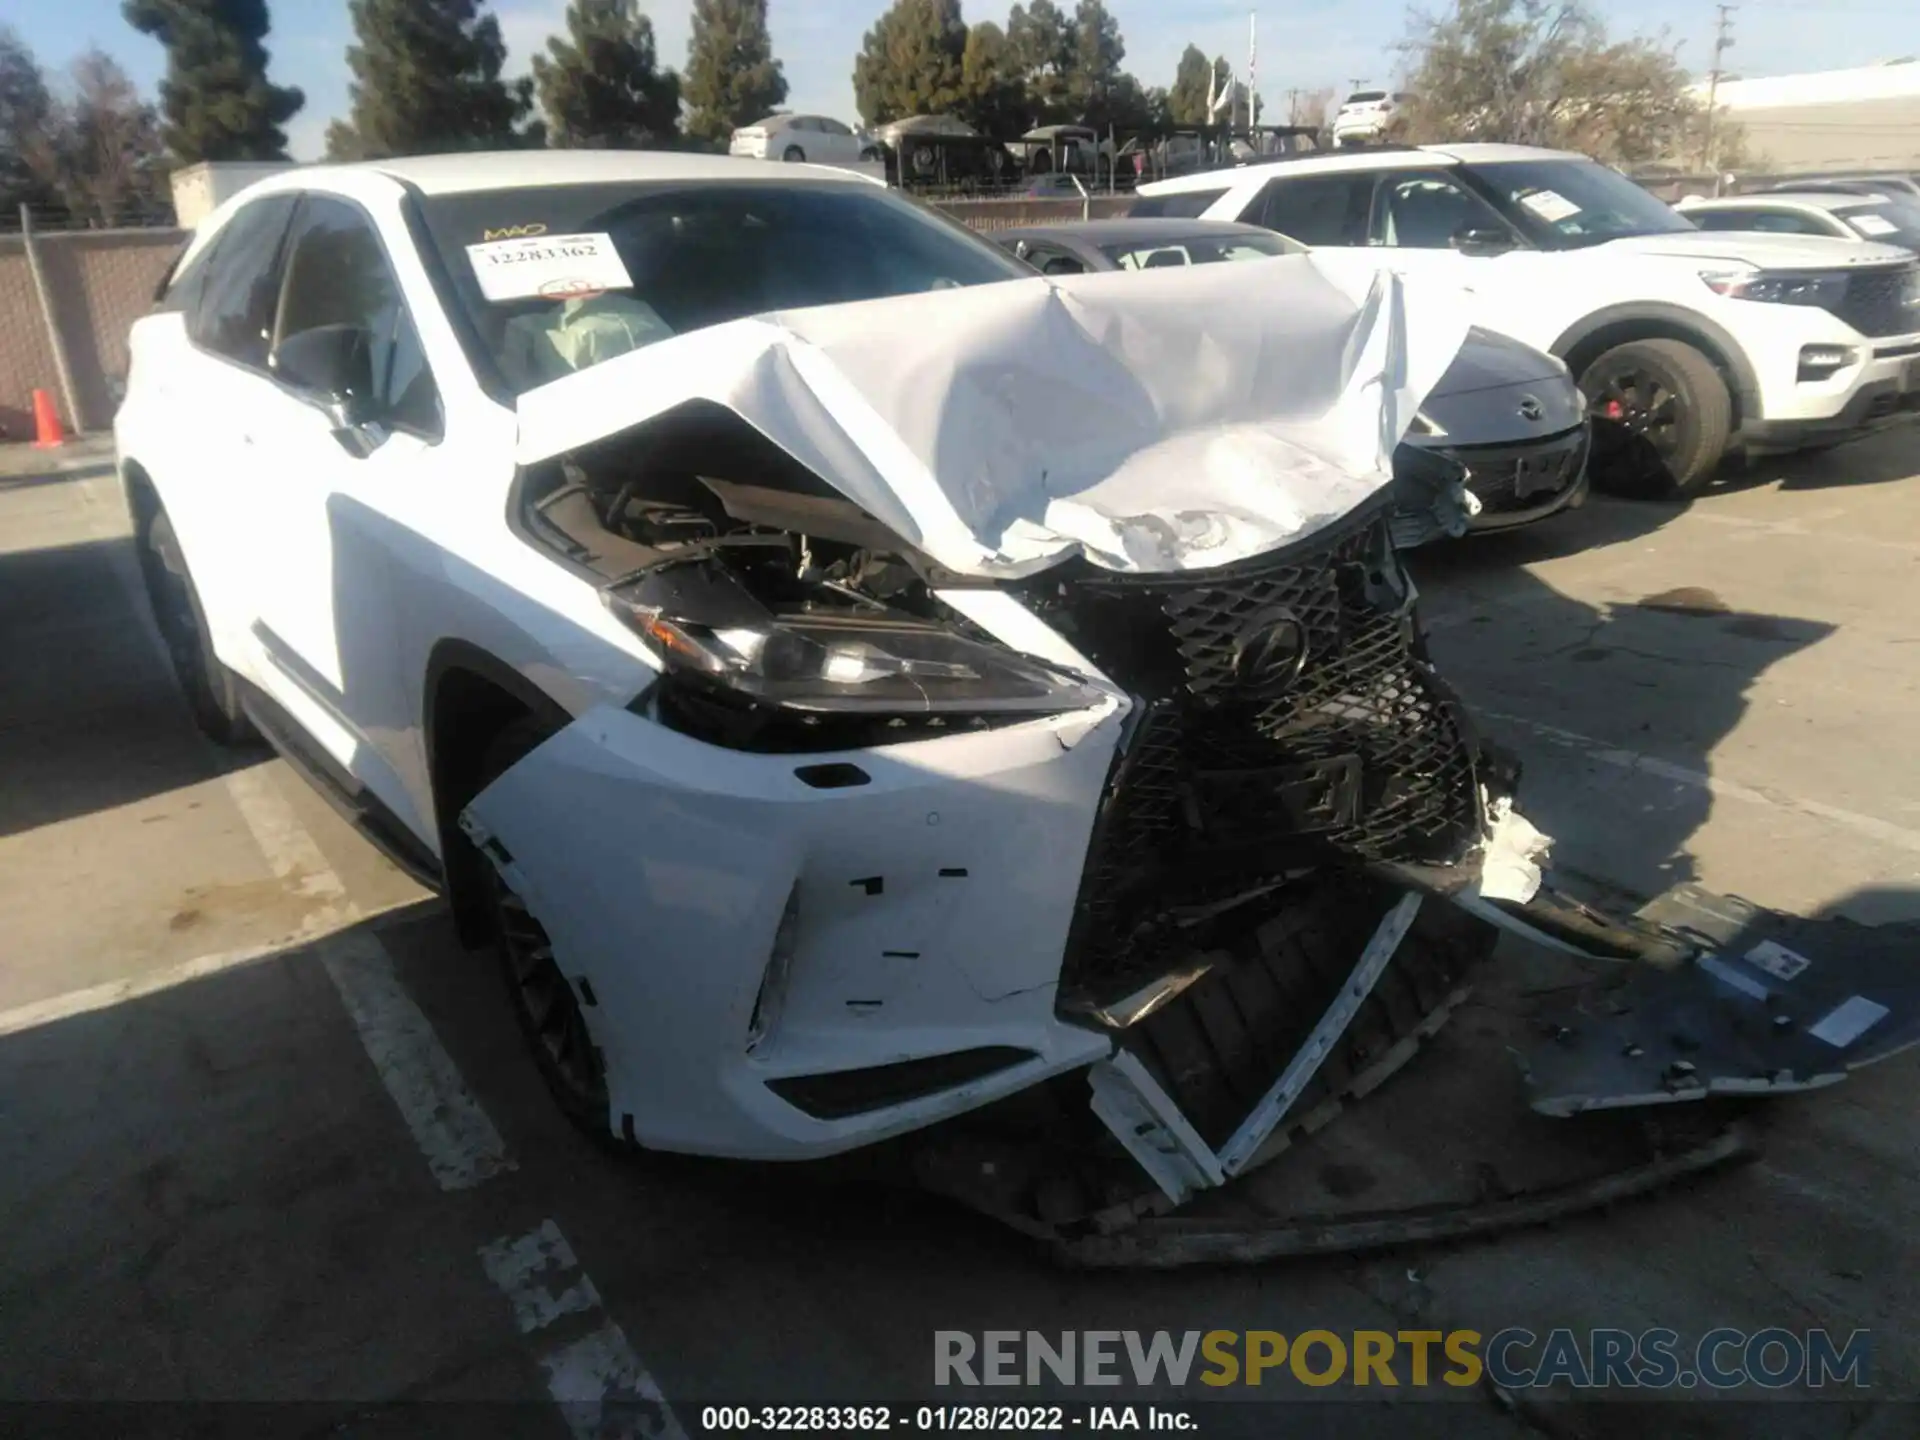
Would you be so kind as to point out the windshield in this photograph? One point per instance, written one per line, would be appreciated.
(1562, 204)
(559, 277)
(1195, 250)
(1891, 222)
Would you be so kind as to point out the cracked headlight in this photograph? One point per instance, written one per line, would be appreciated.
(855, 664)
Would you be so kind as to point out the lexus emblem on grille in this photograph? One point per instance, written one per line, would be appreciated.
(1272, 652)
(1530, 408)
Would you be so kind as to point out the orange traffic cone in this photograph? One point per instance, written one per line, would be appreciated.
(46, 423)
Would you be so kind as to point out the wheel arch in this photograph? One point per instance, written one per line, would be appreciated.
(468, 696)
(1593, 335)
(142, 495)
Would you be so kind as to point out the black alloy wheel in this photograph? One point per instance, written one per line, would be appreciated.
(544, 1000)
(1662, 418)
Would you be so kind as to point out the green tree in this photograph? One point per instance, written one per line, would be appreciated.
(732, 78)
(1044, 46)
(1187, 100)
(1545, 72)
(601, 85)
(912, 62)
(426, 79)
(215, 97)
(1094, 88)
(996, 92)
(29, 123)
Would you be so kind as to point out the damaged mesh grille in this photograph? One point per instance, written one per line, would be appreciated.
(1249, 761)
(1507, 478)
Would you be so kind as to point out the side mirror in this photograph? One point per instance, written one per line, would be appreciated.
(1482, 242)
(332, 365)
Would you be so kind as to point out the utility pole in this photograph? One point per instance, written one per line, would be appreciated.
(1293, 106)
(1253, 88)
(1722, 39)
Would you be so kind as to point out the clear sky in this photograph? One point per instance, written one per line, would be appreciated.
(1307, 44)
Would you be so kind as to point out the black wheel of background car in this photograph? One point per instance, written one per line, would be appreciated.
(211, 689)
(1662, 418)
(870, 156)
(793, 153)
(543, 999)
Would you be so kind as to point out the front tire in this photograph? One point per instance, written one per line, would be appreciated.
(544, 1000)
(1663, 417)
(793, 155)
(212, 691)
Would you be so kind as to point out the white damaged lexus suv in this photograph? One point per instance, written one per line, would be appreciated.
(855, 684)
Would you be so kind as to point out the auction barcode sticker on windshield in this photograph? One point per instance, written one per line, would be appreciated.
(548, 265)
(1550, 205)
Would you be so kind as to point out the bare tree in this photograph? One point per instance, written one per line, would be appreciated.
(1545, 72)
(1312, 107)
(111, 158)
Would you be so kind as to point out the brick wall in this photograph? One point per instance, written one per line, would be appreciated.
(100, 282)
(1007, 214)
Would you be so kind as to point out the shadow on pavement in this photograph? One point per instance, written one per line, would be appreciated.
(1881, 459)
(1612, 706)
(90, 718)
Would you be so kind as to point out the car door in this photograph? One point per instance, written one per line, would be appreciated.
(210, 384)
(838, 144)
(322, 501)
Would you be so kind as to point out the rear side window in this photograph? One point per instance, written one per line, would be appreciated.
(338, 274)
(1317, 209)
(233, 314)
(1182, 205)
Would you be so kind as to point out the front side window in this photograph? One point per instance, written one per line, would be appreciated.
(1428, 211)
(233, 316)
(1564, 204)
(559, 277)
(1318, 209)
(337, 274)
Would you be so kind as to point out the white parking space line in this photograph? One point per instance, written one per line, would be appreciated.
(595, 1377)
(115, 992)
(461, 1145)
(602, 1389)
(519, 1267)
(1883, 831)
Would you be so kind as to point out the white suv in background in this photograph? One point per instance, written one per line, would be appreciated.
(1692, 344)
(1364, 116)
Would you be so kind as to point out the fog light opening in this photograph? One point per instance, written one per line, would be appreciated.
(772, 998)
(1823, 362)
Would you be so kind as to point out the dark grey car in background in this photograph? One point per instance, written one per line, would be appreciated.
(1510, 414)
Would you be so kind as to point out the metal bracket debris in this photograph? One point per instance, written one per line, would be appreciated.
(1144, 1119)
(1273, 1106)
(1173, 1241)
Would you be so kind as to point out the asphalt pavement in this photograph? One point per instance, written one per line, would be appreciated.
(271, 1153)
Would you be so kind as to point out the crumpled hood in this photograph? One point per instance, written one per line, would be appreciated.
(1773, 252)
(1164, 421)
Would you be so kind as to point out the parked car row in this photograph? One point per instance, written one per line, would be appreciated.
(1792, 327)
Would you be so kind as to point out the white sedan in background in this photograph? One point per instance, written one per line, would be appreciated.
(818, 139)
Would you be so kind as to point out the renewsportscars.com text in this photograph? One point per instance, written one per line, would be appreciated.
(1514, 1358)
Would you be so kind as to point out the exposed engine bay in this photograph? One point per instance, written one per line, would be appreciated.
(1007, 828)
